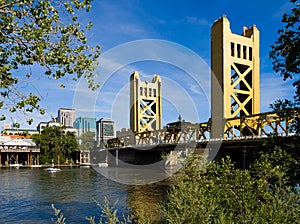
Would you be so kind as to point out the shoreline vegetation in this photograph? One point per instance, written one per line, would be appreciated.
(218, 192)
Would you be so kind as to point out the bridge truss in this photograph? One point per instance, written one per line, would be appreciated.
(255, 126)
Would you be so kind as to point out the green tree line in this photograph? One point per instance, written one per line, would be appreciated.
(54, 141)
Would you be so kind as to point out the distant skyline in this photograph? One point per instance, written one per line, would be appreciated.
(186, 23)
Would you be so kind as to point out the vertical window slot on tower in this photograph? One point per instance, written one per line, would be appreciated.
(250, 53)
(244, 52)
(238, 50)
(232, 49)
(141, 91)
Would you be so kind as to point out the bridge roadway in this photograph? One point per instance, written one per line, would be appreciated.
(242, 150)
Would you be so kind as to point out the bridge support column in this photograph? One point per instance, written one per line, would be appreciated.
(106, 157)
(117, 157)
(30, 158)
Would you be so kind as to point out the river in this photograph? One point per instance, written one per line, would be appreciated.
(26, 195)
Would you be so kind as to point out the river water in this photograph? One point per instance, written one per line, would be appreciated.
(26, 195)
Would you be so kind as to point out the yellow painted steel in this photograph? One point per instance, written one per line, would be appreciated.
(254, 126)
(145, 104)
(235, 74)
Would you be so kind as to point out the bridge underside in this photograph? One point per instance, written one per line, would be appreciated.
(242, 152)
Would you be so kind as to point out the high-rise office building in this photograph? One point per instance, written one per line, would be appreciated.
(85, 124)
(66, 117)
(105, 130)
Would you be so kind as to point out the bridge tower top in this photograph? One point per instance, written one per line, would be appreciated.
(145, 104)
(235, 74)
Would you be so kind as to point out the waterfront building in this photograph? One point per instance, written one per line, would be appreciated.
(66, 117)
(18, 151)
(41, 126)
(19, 132)
(105, 130)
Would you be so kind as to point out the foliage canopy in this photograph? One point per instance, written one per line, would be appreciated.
(87, 141)
(46, 34)
(285, 51)
(286, 60)
(54, 140)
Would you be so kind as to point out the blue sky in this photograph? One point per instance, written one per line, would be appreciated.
(185, 23)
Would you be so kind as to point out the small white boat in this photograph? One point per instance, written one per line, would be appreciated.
(15, 165)
(85, 165)
(33, 166)
(102, 164)
(52, 169)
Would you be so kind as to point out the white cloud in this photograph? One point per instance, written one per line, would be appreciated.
(196, 21)
(273, 88)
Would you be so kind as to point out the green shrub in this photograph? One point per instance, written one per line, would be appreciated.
(219, 193)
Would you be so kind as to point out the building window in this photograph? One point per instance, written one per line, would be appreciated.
(141, 91)
(154, 92)
(244, 52)
(238, 50)
(250, 53)
(150, 92)
(145, 90)
(232, 49)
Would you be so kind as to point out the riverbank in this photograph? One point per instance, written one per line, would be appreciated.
(38, 166)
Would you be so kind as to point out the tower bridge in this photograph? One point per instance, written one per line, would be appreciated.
(236, 120)
(257, 126)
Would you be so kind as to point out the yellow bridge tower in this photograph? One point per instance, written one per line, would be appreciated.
(145, 104)
(235, 74)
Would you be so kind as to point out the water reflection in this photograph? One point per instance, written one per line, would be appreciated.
(27, 194)
(145, 200)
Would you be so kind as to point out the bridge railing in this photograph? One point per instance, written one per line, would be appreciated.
(246, 127)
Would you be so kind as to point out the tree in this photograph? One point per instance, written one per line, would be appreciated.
(47, 34)
(55, 140)
(286, 60)
(87, 141)
(285, 51)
